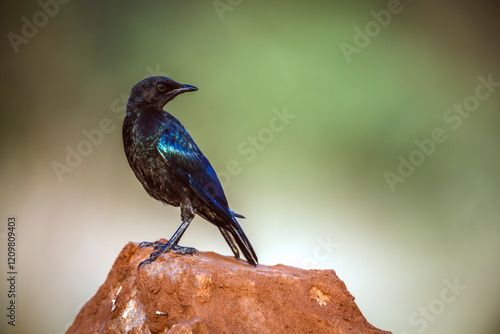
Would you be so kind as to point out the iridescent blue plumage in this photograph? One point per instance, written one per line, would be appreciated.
(172, 169)
(183, 155)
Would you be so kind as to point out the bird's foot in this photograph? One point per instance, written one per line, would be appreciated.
(160, 248)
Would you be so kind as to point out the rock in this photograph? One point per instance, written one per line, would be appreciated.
(211, 293)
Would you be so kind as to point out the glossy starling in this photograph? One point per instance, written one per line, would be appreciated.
(172, 169)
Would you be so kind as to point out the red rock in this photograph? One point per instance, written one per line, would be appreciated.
(211, 293)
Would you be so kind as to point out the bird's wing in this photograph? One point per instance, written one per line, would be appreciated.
(182, 154)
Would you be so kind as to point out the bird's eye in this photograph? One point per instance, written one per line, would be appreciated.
(161, 87)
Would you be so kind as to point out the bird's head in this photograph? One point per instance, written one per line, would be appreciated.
(157, 91)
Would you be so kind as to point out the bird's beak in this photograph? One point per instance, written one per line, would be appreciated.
(184, 88)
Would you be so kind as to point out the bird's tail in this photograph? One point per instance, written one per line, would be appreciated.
(237, 235)
(230, 241)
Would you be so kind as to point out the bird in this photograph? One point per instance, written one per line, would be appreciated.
(173, 170)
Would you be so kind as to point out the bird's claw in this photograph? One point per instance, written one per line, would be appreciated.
(143, 263)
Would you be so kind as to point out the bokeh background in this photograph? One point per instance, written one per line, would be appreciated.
(315, 192)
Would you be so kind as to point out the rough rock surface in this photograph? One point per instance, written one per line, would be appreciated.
(211, 293)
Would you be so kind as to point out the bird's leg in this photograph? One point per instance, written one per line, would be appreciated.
(187, 215)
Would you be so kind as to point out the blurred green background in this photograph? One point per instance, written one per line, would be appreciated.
(314, 191)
